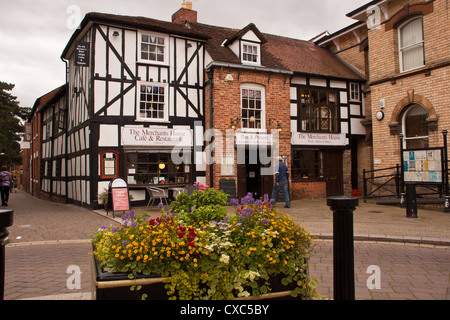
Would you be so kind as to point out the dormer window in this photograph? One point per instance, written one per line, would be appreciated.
(250, 53)
(246, 45)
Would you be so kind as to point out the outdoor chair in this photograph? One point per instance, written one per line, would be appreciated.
(157, 193)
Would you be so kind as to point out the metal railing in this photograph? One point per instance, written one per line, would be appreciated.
(387, 184)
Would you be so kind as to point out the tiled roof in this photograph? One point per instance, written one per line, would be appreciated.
(45, 99)
(277, 52)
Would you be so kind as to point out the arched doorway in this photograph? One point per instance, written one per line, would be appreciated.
(414, 127)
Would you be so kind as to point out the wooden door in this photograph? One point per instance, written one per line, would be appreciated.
(241, 180)
(334, 173)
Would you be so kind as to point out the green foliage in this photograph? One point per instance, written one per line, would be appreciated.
(234, 257)
(201, 205)
(10, 125)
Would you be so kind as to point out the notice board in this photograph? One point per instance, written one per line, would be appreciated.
(423, 166)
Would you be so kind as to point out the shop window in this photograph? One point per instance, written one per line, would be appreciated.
(152, 102)
(307, 165)
(253, 107)
(318, 111)
(411, 45)
(156, 168)
(109, 165)
(414, 127)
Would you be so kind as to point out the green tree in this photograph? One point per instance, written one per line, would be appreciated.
(12, 117)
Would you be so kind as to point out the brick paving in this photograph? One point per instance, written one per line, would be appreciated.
(413, 254)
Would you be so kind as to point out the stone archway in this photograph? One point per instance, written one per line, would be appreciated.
(411, 98)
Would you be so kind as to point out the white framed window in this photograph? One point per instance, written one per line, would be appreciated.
(153, 48)
(250, 53)
(354, 92)
(152, 102)
(253, 107)
(411, 45)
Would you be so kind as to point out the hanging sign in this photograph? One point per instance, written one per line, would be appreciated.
(82, 54)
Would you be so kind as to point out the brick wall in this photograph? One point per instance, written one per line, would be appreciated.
(428, 85)
(308, 190)
(227, 106)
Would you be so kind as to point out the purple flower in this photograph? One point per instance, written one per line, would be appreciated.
(234, 202)
(124, 243)
(104, 227)
(160, 206)
(132, 214)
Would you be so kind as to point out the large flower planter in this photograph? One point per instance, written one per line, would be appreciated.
(116, 286)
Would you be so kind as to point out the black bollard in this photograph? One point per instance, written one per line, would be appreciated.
(6, 220)
(411, 201)
(343, 256)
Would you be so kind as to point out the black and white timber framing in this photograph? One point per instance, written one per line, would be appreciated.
(103, 98)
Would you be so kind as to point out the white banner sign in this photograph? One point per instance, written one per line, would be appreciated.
(138, 136)
(318, 139)
(253, 139)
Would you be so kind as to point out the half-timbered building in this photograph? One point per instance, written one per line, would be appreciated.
(181, 102)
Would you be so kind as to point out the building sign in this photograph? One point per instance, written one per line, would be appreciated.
(254, 139)
(139, 136)
(82, 54)
(319, 139)
(422, 166)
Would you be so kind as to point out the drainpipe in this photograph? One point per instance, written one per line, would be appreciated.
(210, 73)
(65, 125)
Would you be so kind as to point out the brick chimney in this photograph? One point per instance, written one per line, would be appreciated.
(185, 13)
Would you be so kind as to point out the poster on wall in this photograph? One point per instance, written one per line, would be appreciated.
(422, 166)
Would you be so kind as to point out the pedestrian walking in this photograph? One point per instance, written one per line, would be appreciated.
(14, 181)
(5, 185)
(281, 181)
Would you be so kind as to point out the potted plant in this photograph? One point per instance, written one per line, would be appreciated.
(254, 253)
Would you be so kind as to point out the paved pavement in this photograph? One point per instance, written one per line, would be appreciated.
(413, 255)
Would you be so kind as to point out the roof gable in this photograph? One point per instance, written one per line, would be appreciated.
(247, 33)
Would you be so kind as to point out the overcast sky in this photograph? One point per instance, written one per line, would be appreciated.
(33, 33)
